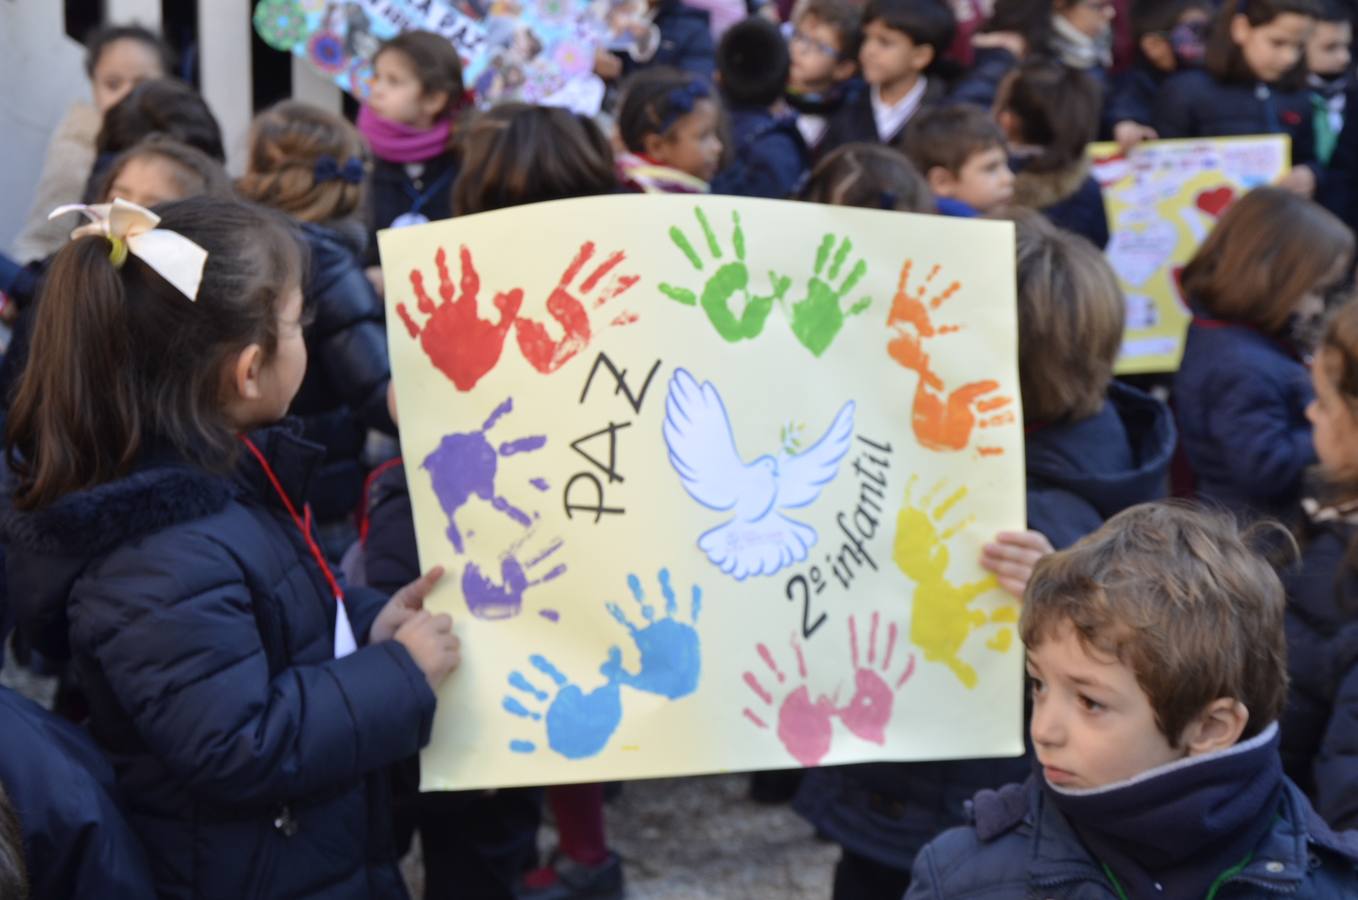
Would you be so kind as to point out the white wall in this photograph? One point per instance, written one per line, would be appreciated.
(46, 75)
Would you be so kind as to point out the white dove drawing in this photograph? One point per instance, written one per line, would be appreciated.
(758, 539)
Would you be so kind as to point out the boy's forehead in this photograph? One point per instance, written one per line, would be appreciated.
(1060, 641)
(812, 22)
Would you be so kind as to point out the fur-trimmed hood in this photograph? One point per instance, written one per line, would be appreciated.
(46, 550)
(1039, 190)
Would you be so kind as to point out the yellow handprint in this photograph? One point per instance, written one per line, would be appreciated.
(943, 618)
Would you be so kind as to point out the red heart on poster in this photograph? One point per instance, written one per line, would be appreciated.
(1214, 202)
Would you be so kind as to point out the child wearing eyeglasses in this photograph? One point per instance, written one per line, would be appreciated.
(824, 51)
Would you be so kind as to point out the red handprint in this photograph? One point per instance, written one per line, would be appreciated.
(804, 725)
(457, 341)
(869, 710)
(939, 424)
(547, 355)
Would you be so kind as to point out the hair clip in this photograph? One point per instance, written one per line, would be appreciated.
(886, 200)
(131, 230)
(327, 169)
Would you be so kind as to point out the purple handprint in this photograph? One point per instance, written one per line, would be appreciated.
(488, 600)
(465, 465)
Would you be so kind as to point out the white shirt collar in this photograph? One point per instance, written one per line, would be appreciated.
(891, 119)
(812, 128)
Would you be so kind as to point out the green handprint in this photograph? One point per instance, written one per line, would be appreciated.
(818, 317)
(724, 284)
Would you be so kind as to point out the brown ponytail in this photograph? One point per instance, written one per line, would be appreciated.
(121, 360)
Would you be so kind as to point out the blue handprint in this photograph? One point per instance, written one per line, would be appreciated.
(670, 657)
(578, 724)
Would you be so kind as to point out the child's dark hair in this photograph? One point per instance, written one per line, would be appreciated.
(194, 171)
(515, 153)
(1057, 109)
(1160, 16)
(928, 23)
(13, 870)
(1332, 12)
(844, 16)
(1031, 19)
(100, 39)
(436, 63)
(121, 361)
(948, 136)
(654, 100)
(164, 106)
(1224, 59)
(753, 62)
(869, 176)
(1267, 252)
(306, 161)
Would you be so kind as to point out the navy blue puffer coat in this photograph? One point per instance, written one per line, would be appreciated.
(202, 633)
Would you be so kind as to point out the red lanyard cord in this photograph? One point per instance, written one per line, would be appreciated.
(303, 525)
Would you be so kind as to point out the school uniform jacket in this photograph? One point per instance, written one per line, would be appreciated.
(202, 633)
(854, 121)
(1194, 104)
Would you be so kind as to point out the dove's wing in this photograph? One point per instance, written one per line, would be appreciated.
(702, 448)
(801, 477)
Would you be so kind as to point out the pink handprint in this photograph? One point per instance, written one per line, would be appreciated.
(804, 725)
(547, 354)
(456, 339)
(869, 710)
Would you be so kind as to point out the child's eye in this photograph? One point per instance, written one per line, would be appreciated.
(1090, 704)
(1037, 685)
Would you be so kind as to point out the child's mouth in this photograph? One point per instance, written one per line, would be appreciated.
(1057, 777)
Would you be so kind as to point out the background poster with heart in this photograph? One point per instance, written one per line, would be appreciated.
(1163, 199)
(710, 479)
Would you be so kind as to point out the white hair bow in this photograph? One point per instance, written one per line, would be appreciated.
(132, 229)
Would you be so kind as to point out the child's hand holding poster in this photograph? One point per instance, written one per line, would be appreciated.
(710, 479)
(1163, 199)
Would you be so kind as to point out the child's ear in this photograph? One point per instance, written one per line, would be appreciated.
(655, 147)
(1158, 51)
(1240, 28)
(1217, 727)
(433, 102)
(1009, 124)
(922, 57)
(941, 181)
(245, 373)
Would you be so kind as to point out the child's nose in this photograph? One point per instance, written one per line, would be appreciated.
(1047, 728)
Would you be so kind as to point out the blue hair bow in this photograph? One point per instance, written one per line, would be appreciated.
(328, 169)
(680, 102)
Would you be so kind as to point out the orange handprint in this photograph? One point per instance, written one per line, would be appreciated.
(538, 347)
(456, 339)
(939, 423)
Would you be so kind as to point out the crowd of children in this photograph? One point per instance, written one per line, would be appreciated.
(208, 533)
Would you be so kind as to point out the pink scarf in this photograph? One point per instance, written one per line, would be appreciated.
(394, 142)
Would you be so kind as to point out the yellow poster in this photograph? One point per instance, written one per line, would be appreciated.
(710, 478)
(1163, 199)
